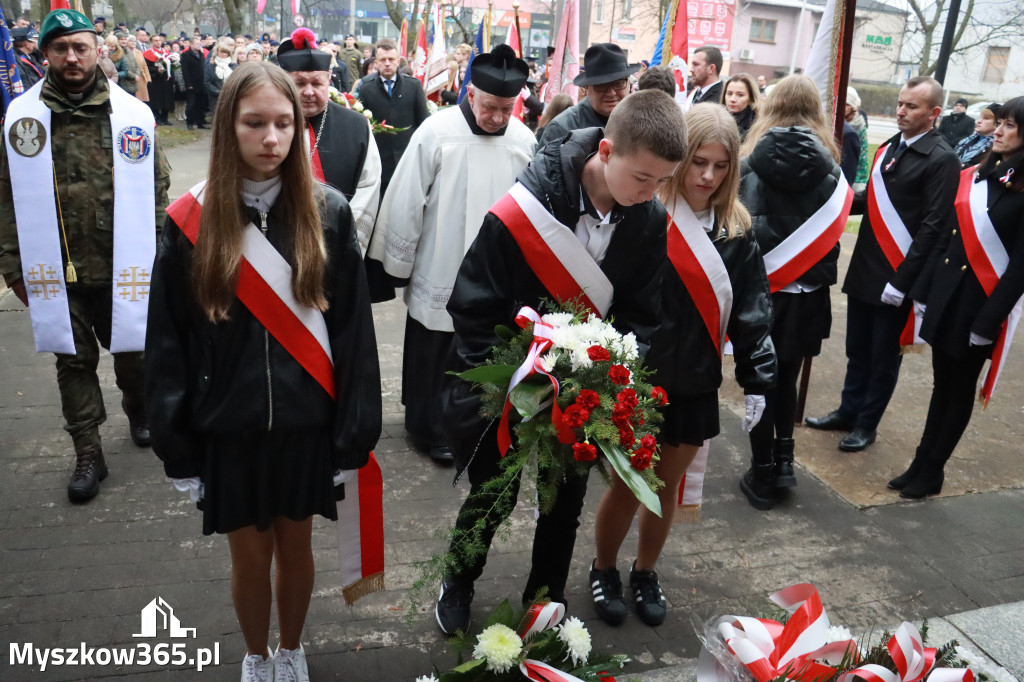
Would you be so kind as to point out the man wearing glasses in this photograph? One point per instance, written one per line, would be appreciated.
(606, 77)
(77, 255)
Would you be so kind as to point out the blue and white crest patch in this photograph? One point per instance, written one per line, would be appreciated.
(133, 144)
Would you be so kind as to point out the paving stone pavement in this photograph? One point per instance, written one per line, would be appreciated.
(80, 575)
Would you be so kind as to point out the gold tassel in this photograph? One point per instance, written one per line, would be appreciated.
(70, 275)
(687, 513)
(364, 586)
(912, 349)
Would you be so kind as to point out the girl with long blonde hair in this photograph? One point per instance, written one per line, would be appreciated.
(793, 101)
(705, 217)
(240, 415)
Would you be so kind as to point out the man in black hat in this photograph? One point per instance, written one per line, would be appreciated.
(30, 60)
(606, 79)
(457, 165)
(342, 150)
(958, 125)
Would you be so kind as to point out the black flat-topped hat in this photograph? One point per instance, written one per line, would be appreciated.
(300, 54)
(604, 63)
(500, 72)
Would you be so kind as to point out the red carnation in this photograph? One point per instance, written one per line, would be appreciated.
(599, 354)
(584, 452)
(659, 395)
(619, 374)
(588, 399)
(627, 396)
(621, 413)
(641, 459)
(626, 438)
(575, 416)
(648, 442)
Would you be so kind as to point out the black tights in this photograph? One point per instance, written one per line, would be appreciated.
(779, 412)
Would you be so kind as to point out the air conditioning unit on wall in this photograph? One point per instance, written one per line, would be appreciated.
(746, 54)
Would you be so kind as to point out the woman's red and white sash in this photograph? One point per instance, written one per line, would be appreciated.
(700, 267)
(553, 252)
(989, 260)
(264, 287)
(361, 532)
(892, 235)
(810, 242)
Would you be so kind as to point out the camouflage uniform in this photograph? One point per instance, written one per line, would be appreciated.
(82, 156)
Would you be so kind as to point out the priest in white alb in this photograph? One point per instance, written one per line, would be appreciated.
(458, 163)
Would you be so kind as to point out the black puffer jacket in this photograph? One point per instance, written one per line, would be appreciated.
(574, 118)
(789, 175)
(682, 352)
(495, 281)
(233, 377)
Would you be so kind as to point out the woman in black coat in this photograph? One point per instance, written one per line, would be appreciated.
(789, 173)
(969, 299)
(740, 97)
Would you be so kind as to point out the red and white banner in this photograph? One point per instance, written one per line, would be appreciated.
(565, 64)
(419, 55)
(810, 242)
(700, 267)
(553, 252)
(436, 69)
(691, 487)
(361, 532)
(989, 261)
(264, 287)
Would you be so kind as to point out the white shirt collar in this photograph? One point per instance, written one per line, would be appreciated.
(912, 140)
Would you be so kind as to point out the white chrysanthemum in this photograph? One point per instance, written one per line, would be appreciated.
(565, 337)
(367, 113)
(557, 319)
(627, 346)
(500, 646)
(426, 678)
(548, 360)
(576, 639)
(837, 633)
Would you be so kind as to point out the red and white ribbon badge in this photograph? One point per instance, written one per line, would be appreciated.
(770, 650)
(531, 366)
(541, 617)
(913, 661)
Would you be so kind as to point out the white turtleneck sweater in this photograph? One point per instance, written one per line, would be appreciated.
(261, 195)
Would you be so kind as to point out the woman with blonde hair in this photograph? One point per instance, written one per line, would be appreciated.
(218, 68)
(706, 219)
(253, 433)
(142, 79)
(119, 59)
(740, 96)
(791, 173)
(557, 105)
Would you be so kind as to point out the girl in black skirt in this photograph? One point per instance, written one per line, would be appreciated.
(687, 355)
(256, 434)
(790, 170)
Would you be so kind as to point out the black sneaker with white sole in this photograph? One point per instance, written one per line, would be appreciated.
(606, 587)
(650, 600)
(452, 609)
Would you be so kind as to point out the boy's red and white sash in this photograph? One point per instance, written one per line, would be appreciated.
(361, 532)
(553, 252)
(892, 235)
(989, 260)
(264, 287)
(810, 242)
(700, 267)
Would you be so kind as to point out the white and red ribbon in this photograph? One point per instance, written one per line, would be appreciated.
(989, 261)
(361, 532)
(541, 617)
(531, 366)
(913, 661)
(809, 243)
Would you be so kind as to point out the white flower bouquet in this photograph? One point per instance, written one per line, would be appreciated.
(350, 101)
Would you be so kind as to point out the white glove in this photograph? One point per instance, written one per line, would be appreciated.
(343, 476)
(193, 486)
(979, 340)
(755, 408)
(892, 296)
(919, 309)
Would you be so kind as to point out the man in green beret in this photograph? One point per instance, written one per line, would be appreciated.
(77, 254)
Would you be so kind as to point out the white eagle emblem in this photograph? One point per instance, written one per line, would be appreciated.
(64, 20)
(27, 137)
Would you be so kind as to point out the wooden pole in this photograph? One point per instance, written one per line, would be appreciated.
(519, 32)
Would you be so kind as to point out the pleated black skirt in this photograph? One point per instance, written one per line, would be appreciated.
(802, 321)
(690, 419)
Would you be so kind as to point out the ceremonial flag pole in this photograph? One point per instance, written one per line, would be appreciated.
(565, 64)
(436, 71)
(10, 78)
(515, 42)
(676, 36)
(518, 46)
(487, 26)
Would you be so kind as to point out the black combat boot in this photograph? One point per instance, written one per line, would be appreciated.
(785, 477)
(138, 426)
(90, 469)
(758, 484)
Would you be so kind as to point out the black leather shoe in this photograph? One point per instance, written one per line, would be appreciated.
(90, 469)
(857, 440)
(442, 454)
(833, 421)
(138, 428)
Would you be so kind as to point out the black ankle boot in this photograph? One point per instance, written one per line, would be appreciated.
(901, 481)
(785, 477)
(758, 484)
(90, 469)
(138, 426)
(928, 481)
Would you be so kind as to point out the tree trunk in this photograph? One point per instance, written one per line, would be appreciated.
(122, 13)
(396, 10)
(40, 8)
(235, 10)
(12, 10)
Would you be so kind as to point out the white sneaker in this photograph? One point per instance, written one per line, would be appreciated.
(255, 668)
(290, 665)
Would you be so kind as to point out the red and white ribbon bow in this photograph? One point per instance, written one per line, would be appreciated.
(532, 365)
(770, 650)
(913, 661)
(541, 617)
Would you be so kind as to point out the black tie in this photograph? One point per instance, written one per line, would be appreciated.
(903, 145)
(696, 95)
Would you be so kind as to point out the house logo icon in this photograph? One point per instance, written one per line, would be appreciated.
(158, 615)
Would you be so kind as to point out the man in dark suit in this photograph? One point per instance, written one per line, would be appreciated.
(193, 69)
(705, 68)
(396, 99)
(919, 175)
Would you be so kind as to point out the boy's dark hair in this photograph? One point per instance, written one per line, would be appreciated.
(648, 120)
(713, 56)
(658, 78)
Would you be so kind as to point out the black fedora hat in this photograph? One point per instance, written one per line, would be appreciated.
(604, 63)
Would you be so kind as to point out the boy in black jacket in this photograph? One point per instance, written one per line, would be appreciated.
(601, 185)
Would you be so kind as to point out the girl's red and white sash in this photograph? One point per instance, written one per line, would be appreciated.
(892, 235)
(989, 260)
(264, 287)
(553, 252)
(700, 267)
(810, 242)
